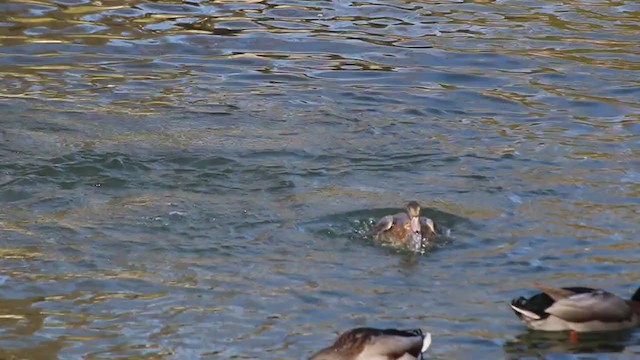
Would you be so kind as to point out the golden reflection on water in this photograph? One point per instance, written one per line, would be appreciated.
(20, 320)
(107, 23)
(528, 112)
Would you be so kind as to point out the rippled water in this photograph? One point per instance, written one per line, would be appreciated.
(191, 179)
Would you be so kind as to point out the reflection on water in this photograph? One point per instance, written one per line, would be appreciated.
(191, 179)
(540, 343)
(20, 322)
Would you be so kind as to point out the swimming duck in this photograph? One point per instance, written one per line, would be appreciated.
(580, 309)
(405, 229)
(378, 344)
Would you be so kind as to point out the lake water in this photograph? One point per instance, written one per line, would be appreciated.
(184, 180)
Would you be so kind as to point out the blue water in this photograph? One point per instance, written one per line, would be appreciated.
(193, 179)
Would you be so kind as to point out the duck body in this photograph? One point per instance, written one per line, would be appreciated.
(407, 229)
(376, 344)
(580, 309)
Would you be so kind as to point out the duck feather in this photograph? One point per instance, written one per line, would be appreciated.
(597, 305)
(371, 343)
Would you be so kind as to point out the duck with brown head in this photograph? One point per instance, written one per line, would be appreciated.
(406, 229)
(378, 344)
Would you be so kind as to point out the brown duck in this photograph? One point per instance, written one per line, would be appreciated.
(406, 229)
(377, 344)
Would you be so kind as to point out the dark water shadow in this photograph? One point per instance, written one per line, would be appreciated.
(539, 344)
(357, 225)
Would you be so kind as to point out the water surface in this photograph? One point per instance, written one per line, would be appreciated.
(192, 179)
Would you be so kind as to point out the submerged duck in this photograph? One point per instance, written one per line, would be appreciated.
(407, 229)
(580, 309)
(379, 344)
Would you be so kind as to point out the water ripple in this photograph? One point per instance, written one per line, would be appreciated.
(170, 169)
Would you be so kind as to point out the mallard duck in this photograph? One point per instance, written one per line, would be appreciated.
(406, 229)
(378, 344)
(580, 309)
